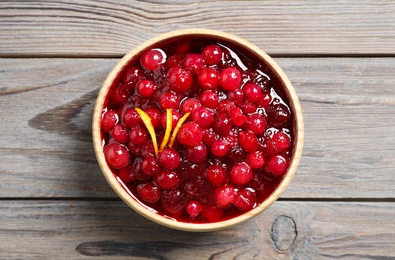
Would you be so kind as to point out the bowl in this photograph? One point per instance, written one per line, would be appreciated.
(245, 196)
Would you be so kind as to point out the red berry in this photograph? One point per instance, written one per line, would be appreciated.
(212, 54)
(196, 154)
(138, 136)
(277, 165)
(281, 141)
(169, 100)
(155, 116)
(222, 124)
(225, 106)
(146, 87)
(265, 101)
(152, 59)
(237, 96)
(175, 117)
(203, 117)
(189, 105)
(149, 192)
(224, 196)
(245, 199)
(209, 99)
(209, 136)
(120, 133)
(193, 208)
(167, 180)
(256, 123)
(173, 201)
(248, 108)
(253, 92)
(180, 79)
(132, 75)
(173, 61)
(208, 78)
(248, 141)
(183, 48)
(190, 134)
(212, 213)
(138, 173)
(215, 174)
(109, 120)
(117, 155)
(278, 114)
(241, 173)
(126, 174)
(230, 78)
(193, 62)
(147, 149)
(131, 118)
(219, 148)
(150, 165)
(237, 117)
(169, 158)
(255, 160)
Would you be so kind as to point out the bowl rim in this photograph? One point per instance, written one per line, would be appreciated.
(168, 222)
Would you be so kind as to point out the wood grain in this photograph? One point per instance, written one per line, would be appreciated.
(46, 109)
(81, 229)
(79, 28)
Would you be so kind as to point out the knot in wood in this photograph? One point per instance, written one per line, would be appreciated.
(283, 232)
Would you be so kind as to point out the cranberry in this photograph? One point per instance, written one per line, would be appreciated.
(175, 117)
(281, 141)
(255, 160)
(180, 80)
(209, 136)
(117, 155)
(155, 116)
(224, 196)
(132, 75)
(150, 165)
(253, 92)
(138, 136)
(173, 200)
(248, 141)
(126, 174)
(183, 48)
(152, 59)
(193, 208)
(278, 114)
(109, 120)
(209, 99)
(215, 174)
(189, 105)
(212, 213)
(241, 173)
(131, 118)
(222, 124)
(169, 100)
(169, 158)
(225, 106)
(147, 149)
(120, 133)
(245, 199)
(248, 108)
(134, 149)
(203, 117)
(190, 134)
(196, 154)
(256, 123)
(265, 101)
(167, 180)
(173, 61)
(277, 165)
(237, 117)
(138, 173)
(146, 87)
(236, 96)
(149, 192)
(219, 148)
(230, 78)
(208, 78)
(193, 62)
(212, 54)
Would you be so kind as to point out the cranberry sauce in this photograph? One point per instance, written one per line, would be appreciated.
(229, 142)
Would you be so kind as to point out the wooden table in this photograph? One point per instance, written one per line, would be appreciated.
(56, 204)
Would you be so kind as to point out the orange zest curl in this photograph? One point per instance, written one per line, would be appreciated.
(148, 124)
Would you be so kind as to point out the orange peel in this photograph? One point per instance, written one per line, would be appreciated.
(148, 124)
(177, 128)
(169, 125)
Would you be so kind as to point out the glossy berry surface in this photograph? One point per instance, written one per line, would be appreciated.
(231, 138)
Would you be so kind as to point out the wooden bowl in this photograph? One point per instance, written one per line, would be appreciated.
(221, 36)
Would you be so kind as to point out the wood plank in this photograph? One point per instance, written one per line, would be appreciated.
(108, 28)
(46, 108)
(287, 230)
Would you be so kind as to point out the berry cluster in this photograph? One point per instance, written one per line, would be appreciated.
(231, 123)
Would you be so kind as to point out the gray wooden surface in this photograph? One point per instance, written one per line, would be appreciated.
(54, 201)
